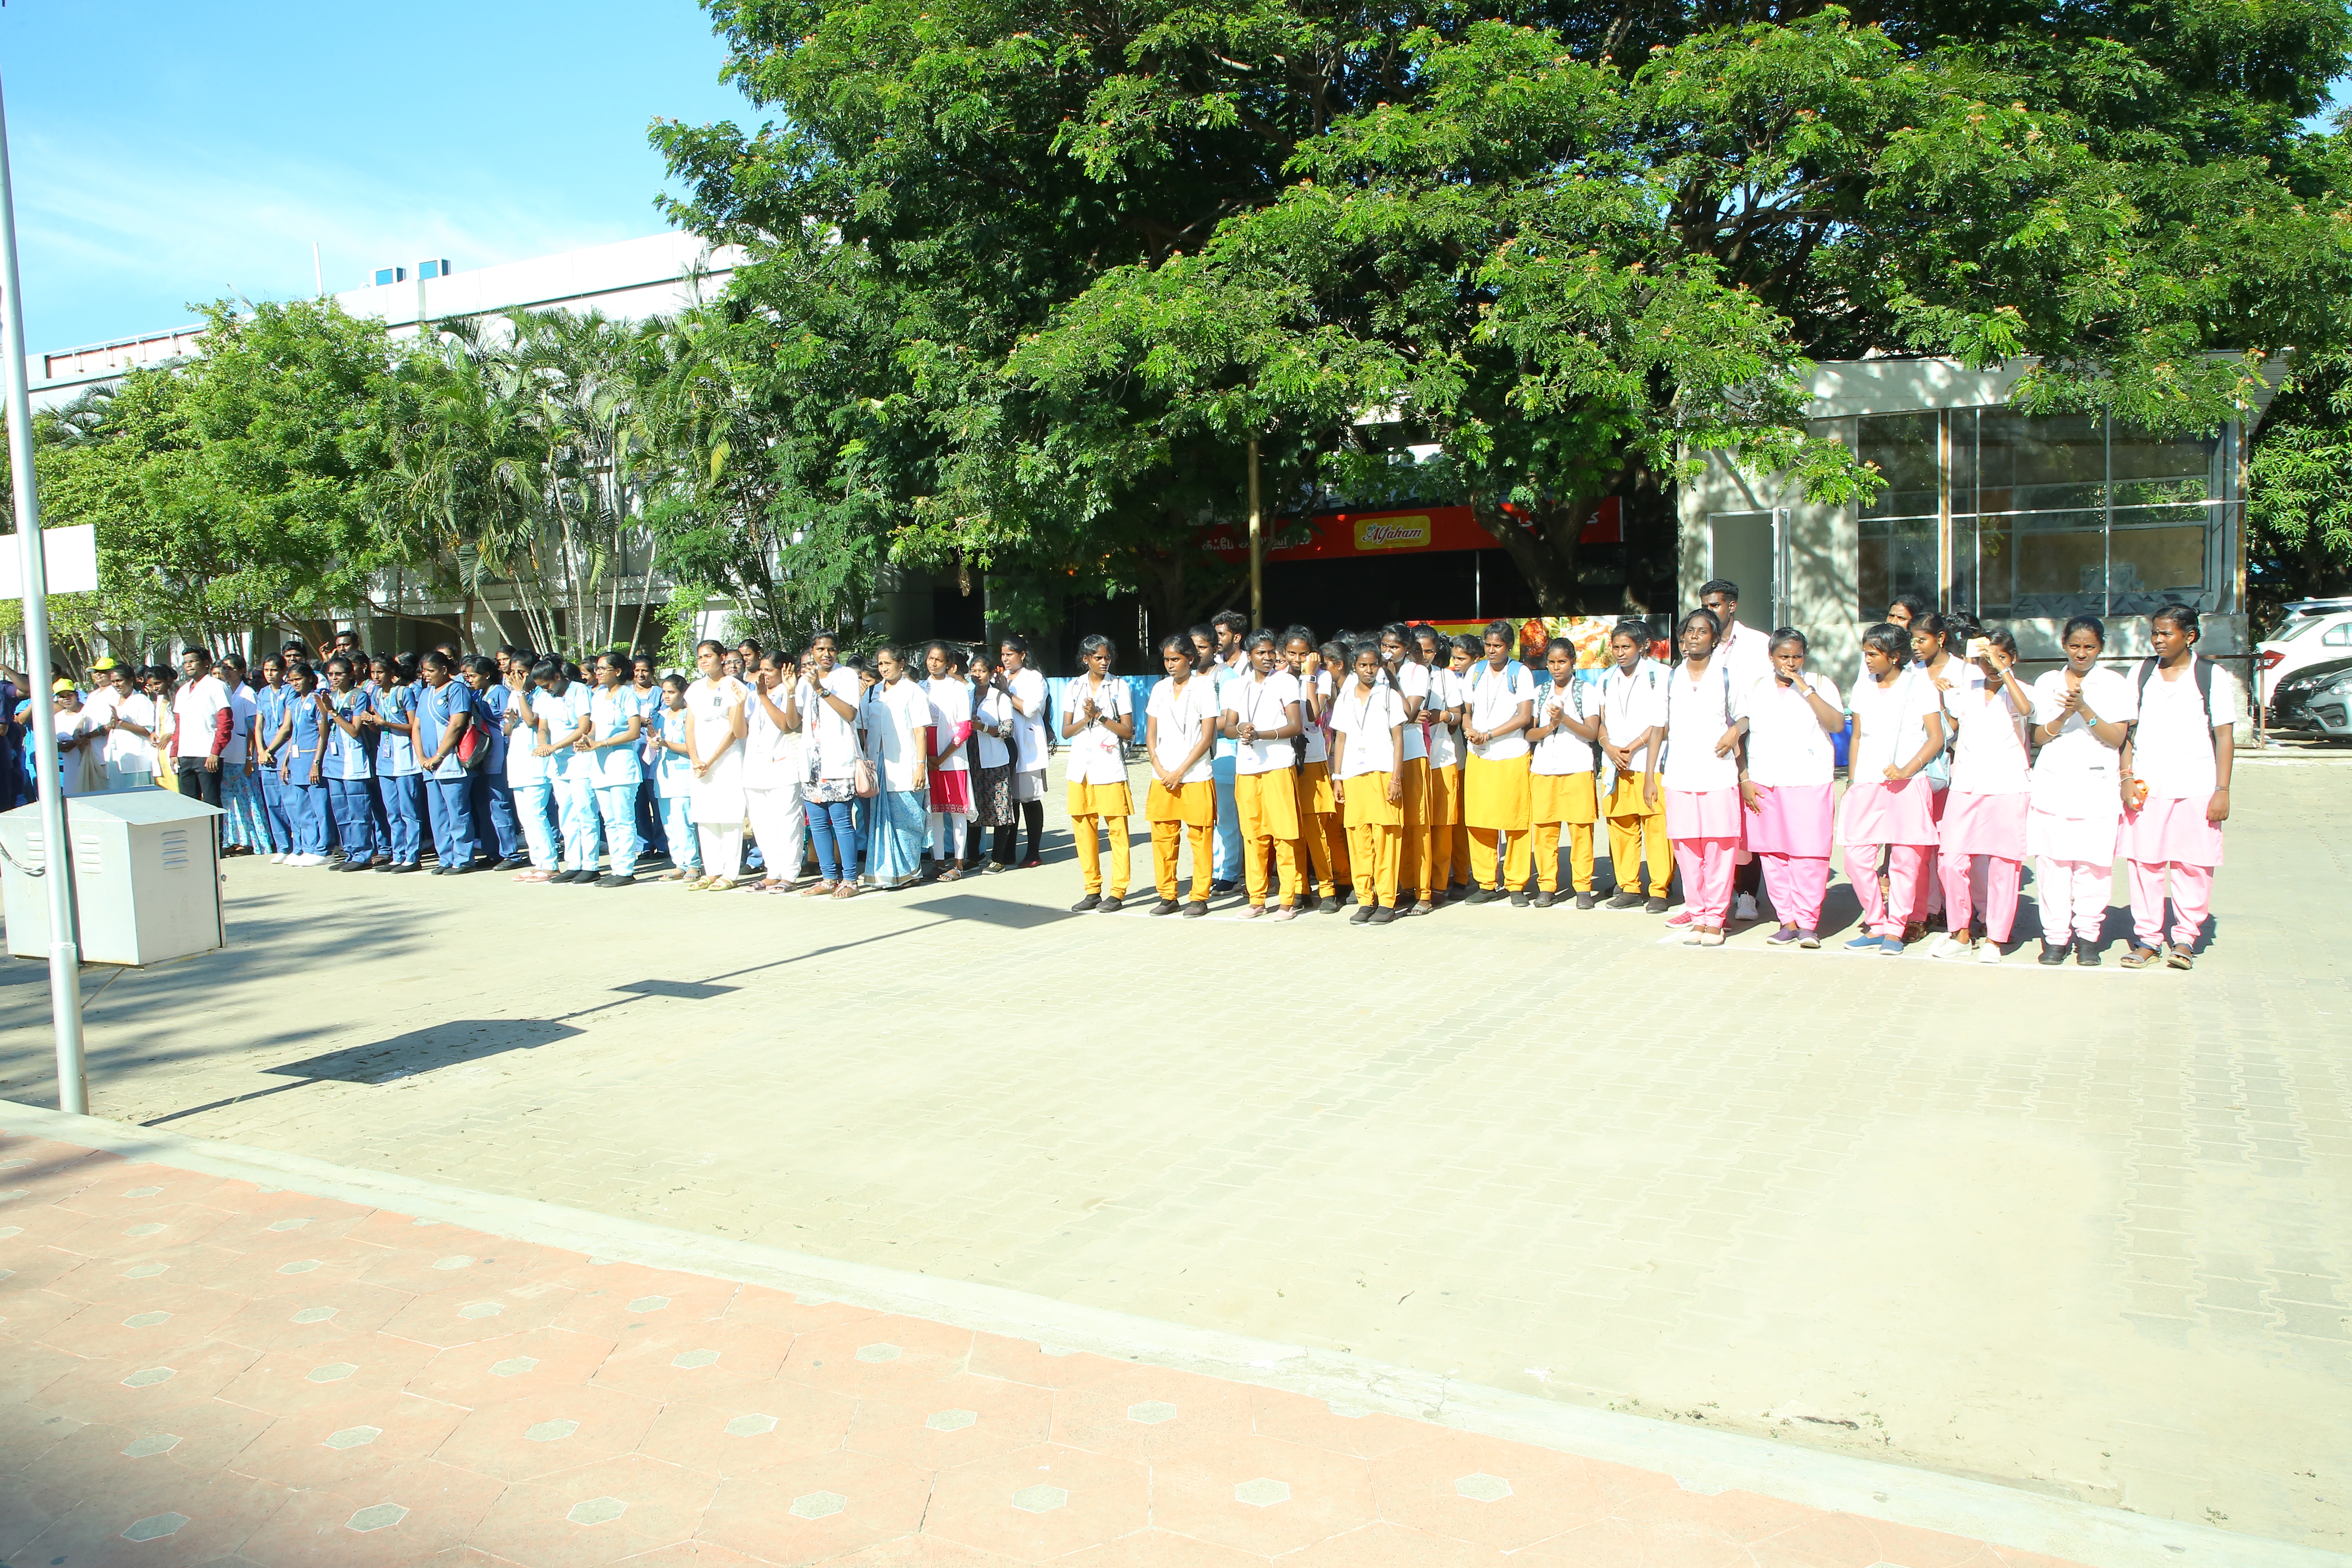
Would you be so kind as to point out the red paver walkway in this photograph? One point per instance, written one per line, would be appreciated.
(195, 1369)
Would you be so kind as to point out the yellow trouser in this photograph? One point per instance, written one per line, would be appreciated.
(1516, 856)
(1628, 837)
(1267, 806)
(1444, 829)
(1413, 850)
(1580, 856)
(1165, 838)
(1373, 850)
(1082, 828)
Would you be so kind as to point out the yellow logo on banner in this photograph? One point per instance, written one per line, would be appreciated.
(1393, 534)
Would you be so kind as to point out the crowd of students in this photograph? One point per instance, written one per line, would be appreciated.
(1395, 771)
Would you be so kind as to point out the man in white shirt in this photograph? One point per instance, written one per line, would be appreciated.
(203, 720)
(1747, 655)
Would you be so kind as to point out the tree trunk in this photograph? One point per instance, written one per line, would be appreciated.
(1542, 541)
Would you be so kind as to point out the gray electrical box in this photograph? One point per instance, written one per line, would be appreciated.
(146, 873)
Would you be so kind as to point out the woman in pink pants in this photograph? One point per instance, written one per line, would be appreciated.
(1790, 784)
(1898, 728)
(2176, 789)
(1982, 854)
(1701, 777)
(2081, 716)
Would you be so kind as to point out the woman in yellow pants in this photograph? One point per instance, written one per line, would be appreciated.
(1180, 725)
(1098, 719)
(1261, 713)
(1495, 797)
(1564, 793)
(1633, 722)
(1368, 726)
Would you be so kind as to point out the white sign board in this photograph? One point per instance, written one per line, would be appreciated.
(69, 555)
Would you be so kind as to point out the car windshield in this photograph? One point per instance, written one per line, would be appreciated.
(2296, 627)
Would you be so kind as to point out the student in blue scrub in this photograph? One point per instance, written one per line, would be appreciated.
(300, 750)
(647, 689)
(444, 712)
(348, 769)
(268, 714)
(493, 800)
(527, 776)
(608, 755)
(400, 785)
(672, 771)
(562, 709)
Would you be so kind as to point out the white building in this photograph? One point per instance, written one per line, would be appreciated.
(628, 281)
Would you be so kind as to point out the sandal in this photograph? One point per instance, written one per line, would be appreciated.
(2139, 958)
(819, 889)
(845, 889)
(952, 874)
(2177, 957)
(533, 875)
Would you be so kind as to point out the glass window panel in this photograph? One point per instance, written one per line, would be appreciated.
(1902, 447)
(2148, 470)
(1897, 556)
(2163, 553)
(2044, 563)
(2022, 463)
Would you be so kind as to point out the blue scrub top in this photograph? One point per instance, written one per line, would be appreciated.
(434, 709)
(609, 714)
(395, 758)
(490, 709)
(347, 758)
(302, 746)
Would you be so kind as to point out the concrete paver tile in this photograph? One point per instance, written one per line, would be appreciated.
(131, 1389)
(559, 1428)
(200, 1437)
(1150, 1413)
(1160, 1549)
(771, 1422)
(1040, 1502)
(331, 1309)
(161, 1519)
(446, 1319)
(327, 1445)
(1025, 1361)
(321, 1262)
(1323, 1424)
(1384, 1545)
(511, 1366)
(452, 1259)
(1261, 1494)
(883, 1357)
(1486, 1492)
(381, 1518)
(1619, 1544)
(26, 1509)
(134, 1285)
(26, 1433)
(819, 1508)
(135, 1188)
(103, 1329)
(609, 1301)
(957, 1419)
(322, 1373)
(30, 1312)
(695, 1360)
(756, 1305)
(595, 1514)
(143, 1234)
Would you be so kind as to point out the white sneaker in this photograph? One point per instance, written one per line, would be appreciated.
(1987, 951)
(278, 860)
(1947, 946)
(1744, 908)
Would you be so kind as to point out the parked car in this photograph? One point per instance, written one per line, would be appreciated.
(2316, 631)
(2317, 699)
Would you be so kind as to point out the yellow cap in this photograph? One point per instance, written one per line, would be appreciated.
(65, 686)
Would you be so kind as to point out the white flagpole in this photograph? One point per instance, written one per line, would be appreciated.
(56, 856)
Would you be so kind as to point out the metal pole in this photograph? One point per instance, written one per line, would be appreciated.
(56, 859)
(1257, 547)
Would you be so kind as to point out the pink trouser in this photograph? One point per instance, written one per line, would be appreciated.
(1984, 885)
(2073, 895)
(1707, 866)
(1795, 884)
(2192, 894)
(1906, 870)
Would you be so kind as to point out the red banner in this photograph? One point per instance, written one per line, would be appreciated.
(1335, 535)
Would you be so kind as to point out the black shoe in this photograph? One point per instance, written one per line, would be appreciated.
(405, 866)
(1166, 906)
(1308, 903)
(1626, 901)
(1584, 901)
(621, 880)
(2086, 954)
(1196, 909)
(1482, 896)
(1224, 886)
(1519, 897)
(1654, 906)
(514, 862)
(2053, 953)
(1545, 900)
(1110, 906)
(350, 865)
(1383, 915)
(1332, 906)
(1362, 917)
(1091, 902)
(387, 866)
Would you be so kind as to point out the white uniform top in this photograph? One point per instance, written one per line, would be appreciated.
(1028, 728)
(1786, 743)
(1495, 698)
(895, 716)
(1096, 757)
(1747, 652)
(243, 713)
(198, 707)
(1319, 747)
(559, 717)
(1697, 712)
(833, 740)
(950, 697)
(771, 756)
(717, 797)
(2076, 775)
(2172, 749)
(1411, 681)
(1222, 676)
(1632, 705)
(1891, 723)
(524, 764)
(1260, 704)
(994, 708)
(125, 750)
(1367, 722)
(1445, 690)
(1562, 752)
(97, 709)
(1989, 754)
(1180, 713)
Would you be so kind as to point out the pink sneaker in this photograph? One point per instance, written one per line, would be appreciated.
(1680, 918)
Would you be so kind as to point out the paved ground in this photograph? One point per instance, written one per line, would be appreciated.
(2087, 1231)
(210, 1371)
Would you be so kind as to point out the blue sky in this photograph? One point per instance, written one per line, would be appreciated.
(165, 153)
